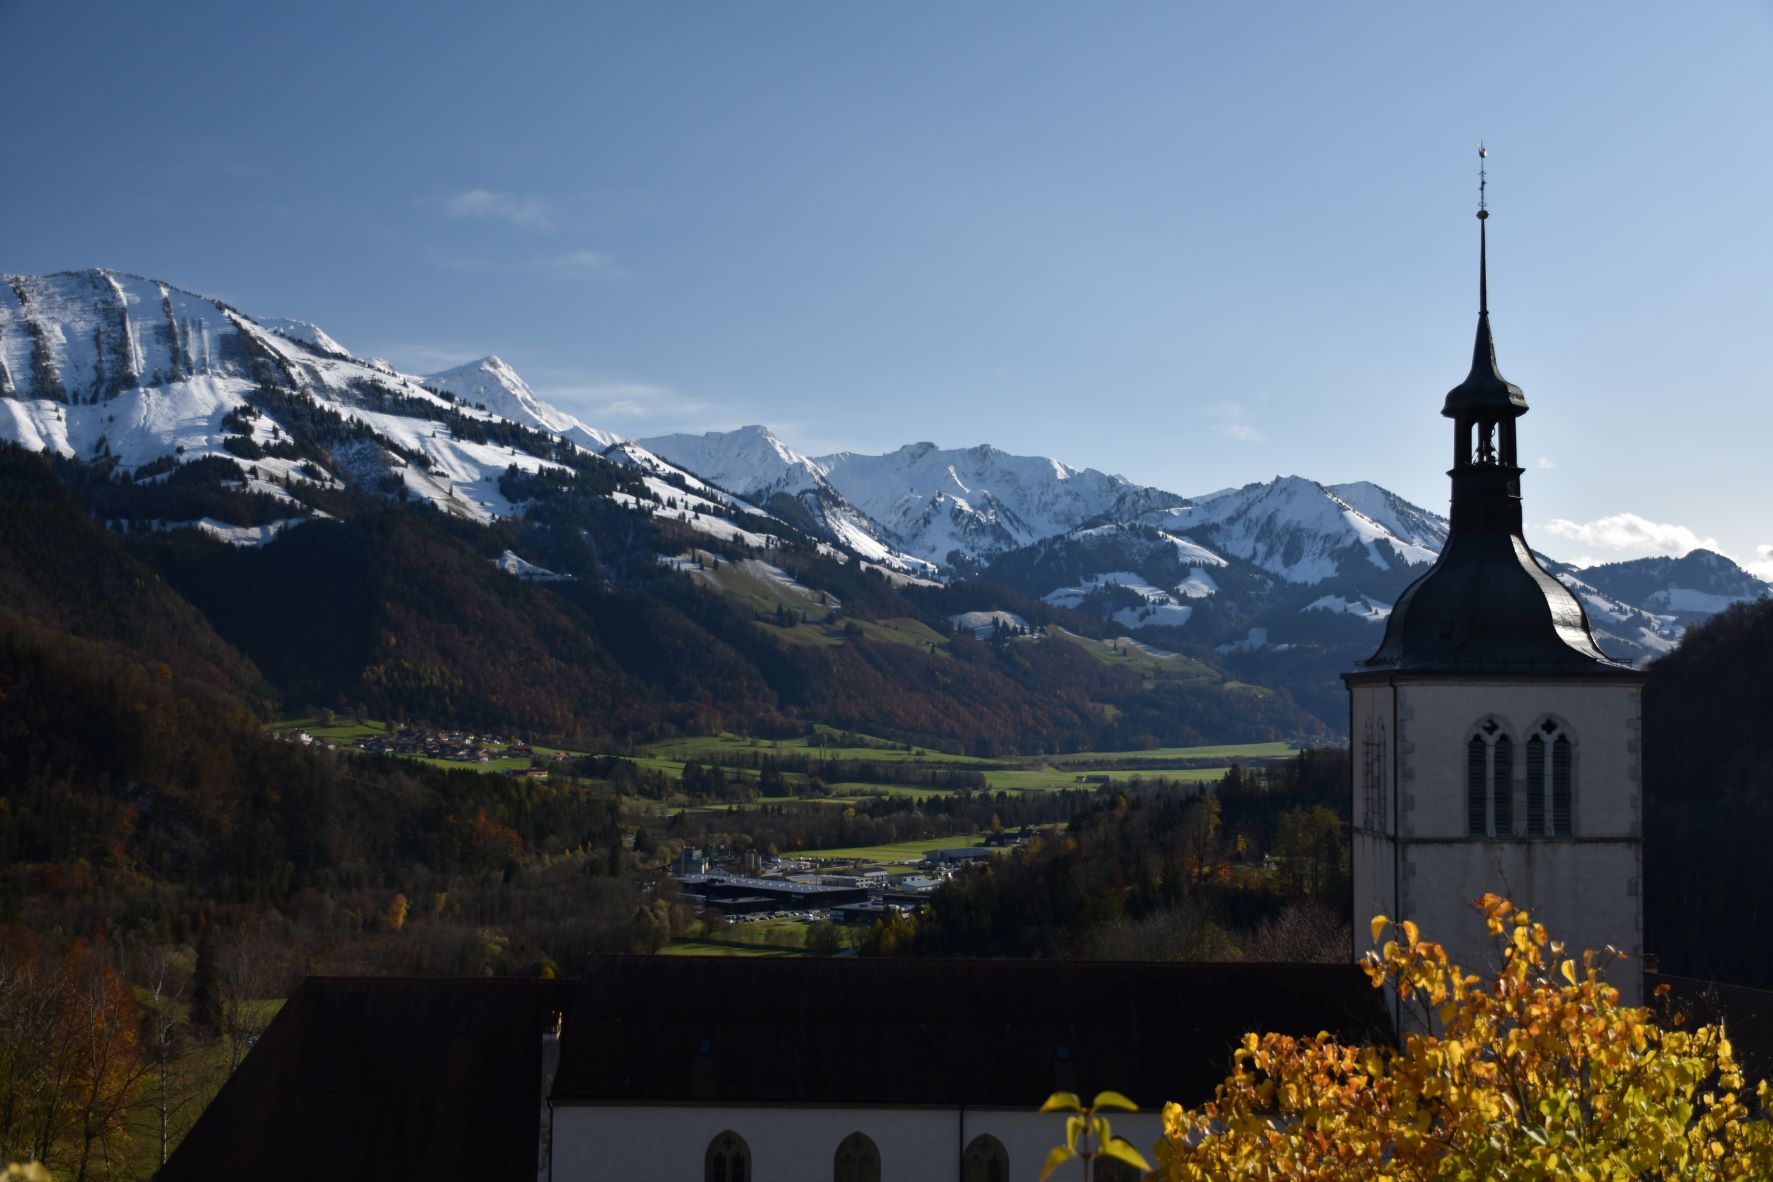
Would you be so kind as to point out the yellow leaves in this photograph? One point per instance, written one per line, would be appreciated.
(1058, 1157)
(1123, 1151)
(1089, 1136)
(1535, 1072)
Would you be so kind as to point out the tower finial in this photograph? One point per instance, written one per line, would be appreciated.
(1483, 246)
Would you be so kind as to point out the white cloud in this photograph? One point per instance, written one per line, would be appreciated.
(527, 213)
(1232, 425)
(1764, 568)
(1631, 534)
(1543, 462)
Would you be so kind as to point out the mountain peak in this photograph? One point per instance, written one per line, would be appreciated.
(492, 383)
(303, 331)
(746, 461)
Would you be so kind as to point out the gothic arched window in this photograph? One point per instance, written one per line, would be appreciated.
(1550, 780)
(857, 1160)
(1489, 781)
(985, 1160)
(728, 1159)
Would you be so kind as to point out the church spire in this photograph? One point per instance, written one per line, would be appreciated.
(1486, 605)
(1484, 388)
(1483, 244)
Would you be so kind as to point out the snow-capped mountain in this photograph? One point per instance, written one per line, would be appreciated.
(1305, 532)
(1137, 575)
(308, 334)
(99, 364)
(137, 374)
(1698, 584)
(150, 380)
(1406, 522)
(490, 384)
(944, 507)
(750, 461)
(756, 465)
(1266, 567)
(943, 504)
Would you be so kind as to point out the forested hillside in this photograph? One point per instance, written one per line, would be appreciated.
(1256, 868)
(1708, 779)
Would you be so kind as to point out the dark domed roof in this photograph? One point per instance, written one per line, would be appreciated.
(1487, 606)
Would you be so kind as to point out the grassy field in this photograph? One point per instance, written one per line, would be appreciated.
(341, 731)
(1224, 751)
(849, 791)
(1053, 778)
(1011, 774)
(903, 851)
(708, 948)
(704, 747)
(345, 733)
(1125, 654)
(510, 764)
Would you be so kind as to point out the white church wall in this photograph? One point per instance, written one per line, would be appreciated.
(1585, 887)
(1585, 893)
(1435, 720)
(668, 1143)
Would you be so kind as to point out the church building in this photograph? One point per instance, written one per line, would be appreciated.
(1495, 746)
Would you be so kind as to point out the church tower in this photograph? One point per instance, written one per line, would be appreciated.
(1495, 746)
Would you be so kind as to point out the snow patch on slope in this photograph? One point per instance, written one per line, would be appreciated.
(521, 568)
(984, 624)
(1362, 608)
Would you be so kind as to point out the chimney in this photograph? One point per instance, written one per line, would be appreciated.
(552, 1021)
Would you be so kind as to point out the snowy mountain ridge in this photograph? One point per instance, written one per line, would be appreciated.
(109, 367)
(116, 368)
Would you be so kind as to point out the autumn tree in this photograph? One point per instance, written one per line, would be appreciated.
(1534, 1072)
(254, 977)
(179, 1083)
(68, 1057)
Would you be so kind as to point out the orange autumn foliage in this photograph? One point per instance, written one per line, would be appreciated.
(1534, 1072)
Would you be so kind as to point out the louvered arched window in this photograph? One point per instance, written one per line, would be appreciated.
(728, 1159)
(1551, 787)
(1489, 780)
(858, 1160)
(985, 1160)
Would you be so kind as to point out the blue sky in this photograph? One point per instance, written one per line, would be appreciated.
(1197, 244)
